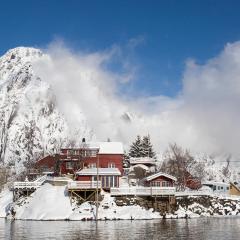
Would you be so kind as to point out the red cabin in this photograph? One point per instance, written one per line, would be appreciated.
(160, 180)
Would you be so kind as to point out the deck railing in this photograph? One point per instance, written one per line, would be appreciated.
(143, 191)
(27, 185)
(144, 160)
(30, 185)
(204, 192)
(83, 184)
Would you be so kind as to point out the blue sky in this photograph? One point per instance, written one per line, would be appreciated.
(168, 32)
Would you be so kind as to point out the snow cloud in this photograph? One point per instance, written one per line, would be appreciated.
(204, 116)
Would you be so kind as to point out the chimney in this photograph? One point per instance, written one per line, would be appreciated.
(83, 140)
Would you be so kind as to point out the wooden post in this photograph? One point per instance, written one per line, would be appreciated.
(97, 185)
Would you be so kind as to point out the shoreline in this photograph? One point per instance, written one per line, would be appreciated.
(119, 219)
(51, 203)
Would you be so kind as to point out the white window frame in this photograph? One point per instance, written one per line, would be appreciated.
(111, 165)
(69, 165)
(92, 165)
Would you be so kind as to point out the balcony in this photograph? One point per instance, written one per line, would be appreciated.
(74, 185)
(26, 185)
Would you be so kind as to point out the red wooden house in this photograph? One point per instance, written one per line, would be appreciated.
(160, 180)
(92, 155)
(88, 155)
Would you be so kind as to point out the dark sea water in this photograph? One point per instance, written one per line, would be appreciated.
(225, 228)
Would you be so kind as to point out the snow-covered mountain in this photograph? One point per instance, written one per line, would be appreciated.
(31, 124)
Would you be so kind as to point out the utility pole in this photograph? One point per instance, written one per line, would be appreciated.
(97, 185)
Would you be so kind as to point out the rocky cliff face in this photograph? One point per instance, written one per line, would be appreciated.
(31, 124)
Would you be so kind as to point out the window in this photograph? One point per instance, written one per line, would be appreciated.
(164, 184)
(167, 184)
(227, 188)
(115, 181)
(111, 165)
(92, 165)
(155, 184)
(109, 181)
(69, 165)
(93, 153)
(76, 152)
(218, 187)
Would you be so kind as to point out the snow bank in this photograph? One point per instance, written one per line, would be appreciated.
(47, 203)
(6, 199)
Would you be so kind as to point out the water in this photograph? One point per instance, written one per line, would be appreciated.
(197, 229)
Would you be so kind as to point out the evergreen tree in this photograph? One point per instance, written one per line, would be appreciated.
(147, 148)
(136, 148)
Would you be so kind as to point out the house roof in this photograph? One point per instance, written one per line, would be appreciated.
(103, 147)
(110, 148)
(235, 186)
(101, 171)
(215, 183)
(142, 160)
(156, 175)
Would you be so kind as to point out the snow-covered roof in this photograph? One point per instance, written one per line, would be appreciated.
(215, 183)
(101, 171)
(111, 148)
(140, 166)
(142, 160)
(156, 175)
(103, 147)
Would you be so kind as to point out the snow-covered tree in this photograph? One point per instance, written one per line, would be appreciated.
(142, 147)
(147, 147)
(136, 149)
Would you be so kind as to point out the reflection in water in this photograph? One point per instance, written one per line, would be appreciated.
(197, 229)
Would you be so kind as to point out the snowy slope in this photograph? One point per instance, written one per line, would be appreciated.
(47, 203)
(6, 199)
(31, 123)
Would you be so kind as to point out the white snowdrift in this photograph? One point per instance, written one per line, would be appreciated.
(6, 198)
(47, 203)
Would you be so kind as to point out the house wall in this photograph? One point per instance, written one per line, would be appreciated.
(47, 162)
(106, 183)
(233, 190)
(84, 178)
(79, 162)
(218, 187)
(104, 161)
(159, 181)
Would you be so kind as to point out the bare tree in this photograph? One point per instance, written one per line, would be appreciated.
(4, 175)
(177, 163)
(225, 170)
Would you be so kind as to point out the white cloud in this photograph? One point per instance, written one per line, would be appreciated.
(203, 117)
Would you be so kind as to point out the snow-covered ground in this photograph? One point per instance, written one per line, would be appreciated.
(6, 198)
(53, 203)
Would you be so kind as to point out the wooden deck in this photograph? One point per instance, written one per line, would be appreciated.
(143, 191)
(29, 185)
(75, 185)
